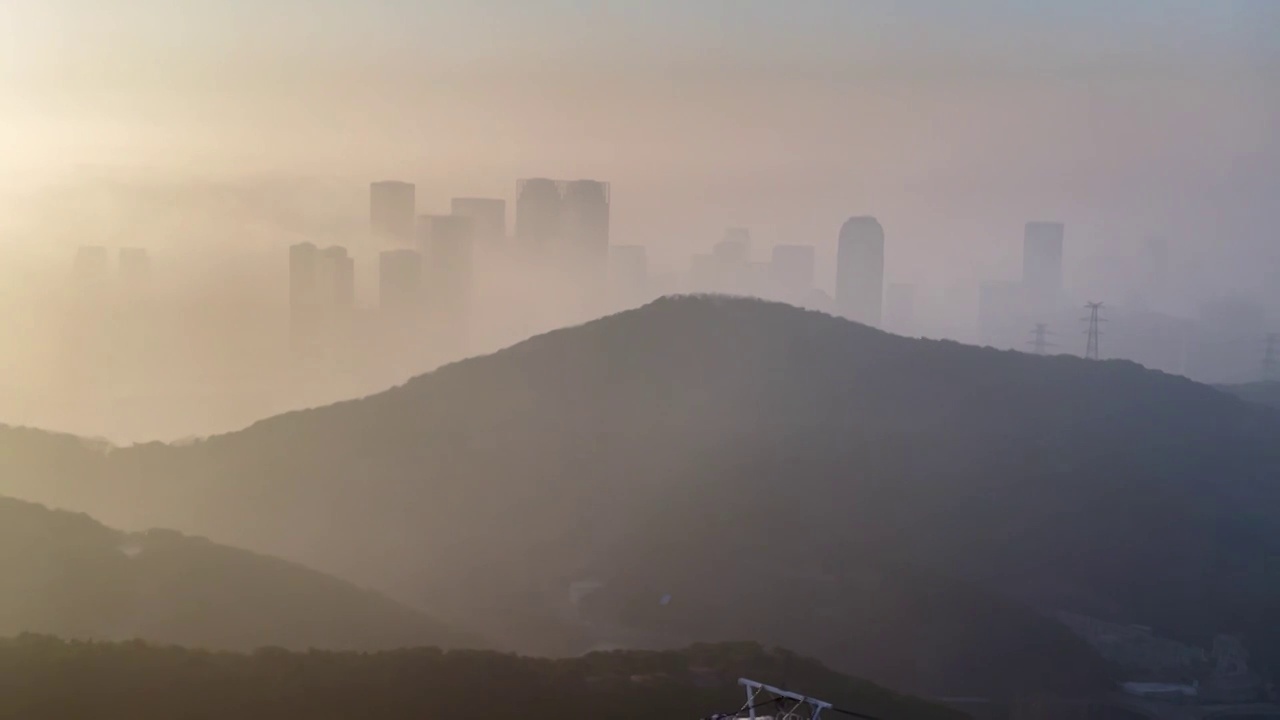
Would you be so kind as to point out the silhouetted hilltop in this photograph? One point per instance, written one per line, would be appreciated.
(1266, 393)
(52, 679)
(66, 574)
(890, 505)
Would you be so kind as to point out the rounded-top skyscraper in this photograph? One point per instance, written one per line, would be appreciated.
(860, 270)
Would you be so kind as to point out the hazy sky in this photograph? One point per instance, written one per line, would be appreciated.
(953, 122)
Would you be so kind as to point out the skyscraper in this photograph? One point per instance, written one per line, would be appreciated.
(730, 261)
(628, 273)
(448, 264)
(321, 295)
(488, 215)
(538, 210)
(391, 211)
(304, 302)
(791, 271)
(1042, 265)
(338, 277)
(400, 282)
(734, 247)
(860, 270)
(585, 225)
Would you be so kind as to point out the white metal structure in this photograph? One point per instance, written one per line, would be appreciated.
(801, 707)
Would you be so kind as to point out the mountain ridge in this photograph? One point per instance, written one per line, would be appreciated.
(643, 446)
(67, 574)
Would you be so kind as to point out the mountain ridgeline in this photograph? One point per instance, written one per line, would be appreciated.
(68, 575)
(905, 510)
(1265, 393)
(48, 678)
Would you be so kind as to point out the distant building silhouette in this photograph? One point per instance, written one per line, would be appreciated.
(860, 270)
(304, 296)
(628, 273)
(734, 248)
(338, 276)
(488, 215)
(400, 281)
(900, 309)
(448, 273)
(321, 296)
(791, 270)
(585, 225)
(402, 312)
(728, 268)
(392, 208)
(1042, 264)
(702, 273)
(538, 213)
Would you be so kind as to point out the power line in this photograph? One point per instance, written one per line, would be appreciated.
(1039, 339)
(1091, 348)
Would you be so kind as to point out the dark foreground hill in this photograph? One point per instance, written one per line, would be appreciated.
(895, 507)
(42, 677)
(1265, 393)
(66, 574)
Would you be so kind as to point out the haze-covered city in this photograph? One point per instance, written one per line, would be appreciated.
(638, 358)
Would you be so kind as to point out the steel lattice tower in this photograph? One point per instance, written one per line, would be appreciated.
(1091, 348)
(1040, 339)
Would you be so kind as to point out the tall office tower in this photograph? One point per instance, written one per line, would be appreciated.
(702, 273)
(338, 277)
(585, 226)
(734, 248)
(134, 266)
(730, 258)
(1042, 265)
(304, 297)
(400, 282)
(391, 211)
(489, 218)
(900, 309)
(791, 271)
(448, 266)
(628, 274)
(538, 214)
(860, 270)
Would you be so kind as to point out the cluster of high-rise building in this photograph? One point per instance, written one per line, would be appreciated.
(433, 271)
(428, 265)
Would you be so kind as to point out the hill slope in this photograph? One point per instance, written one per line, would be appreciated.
(1266, 393)
(782, 474)
(53, 679)
(68, 575)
